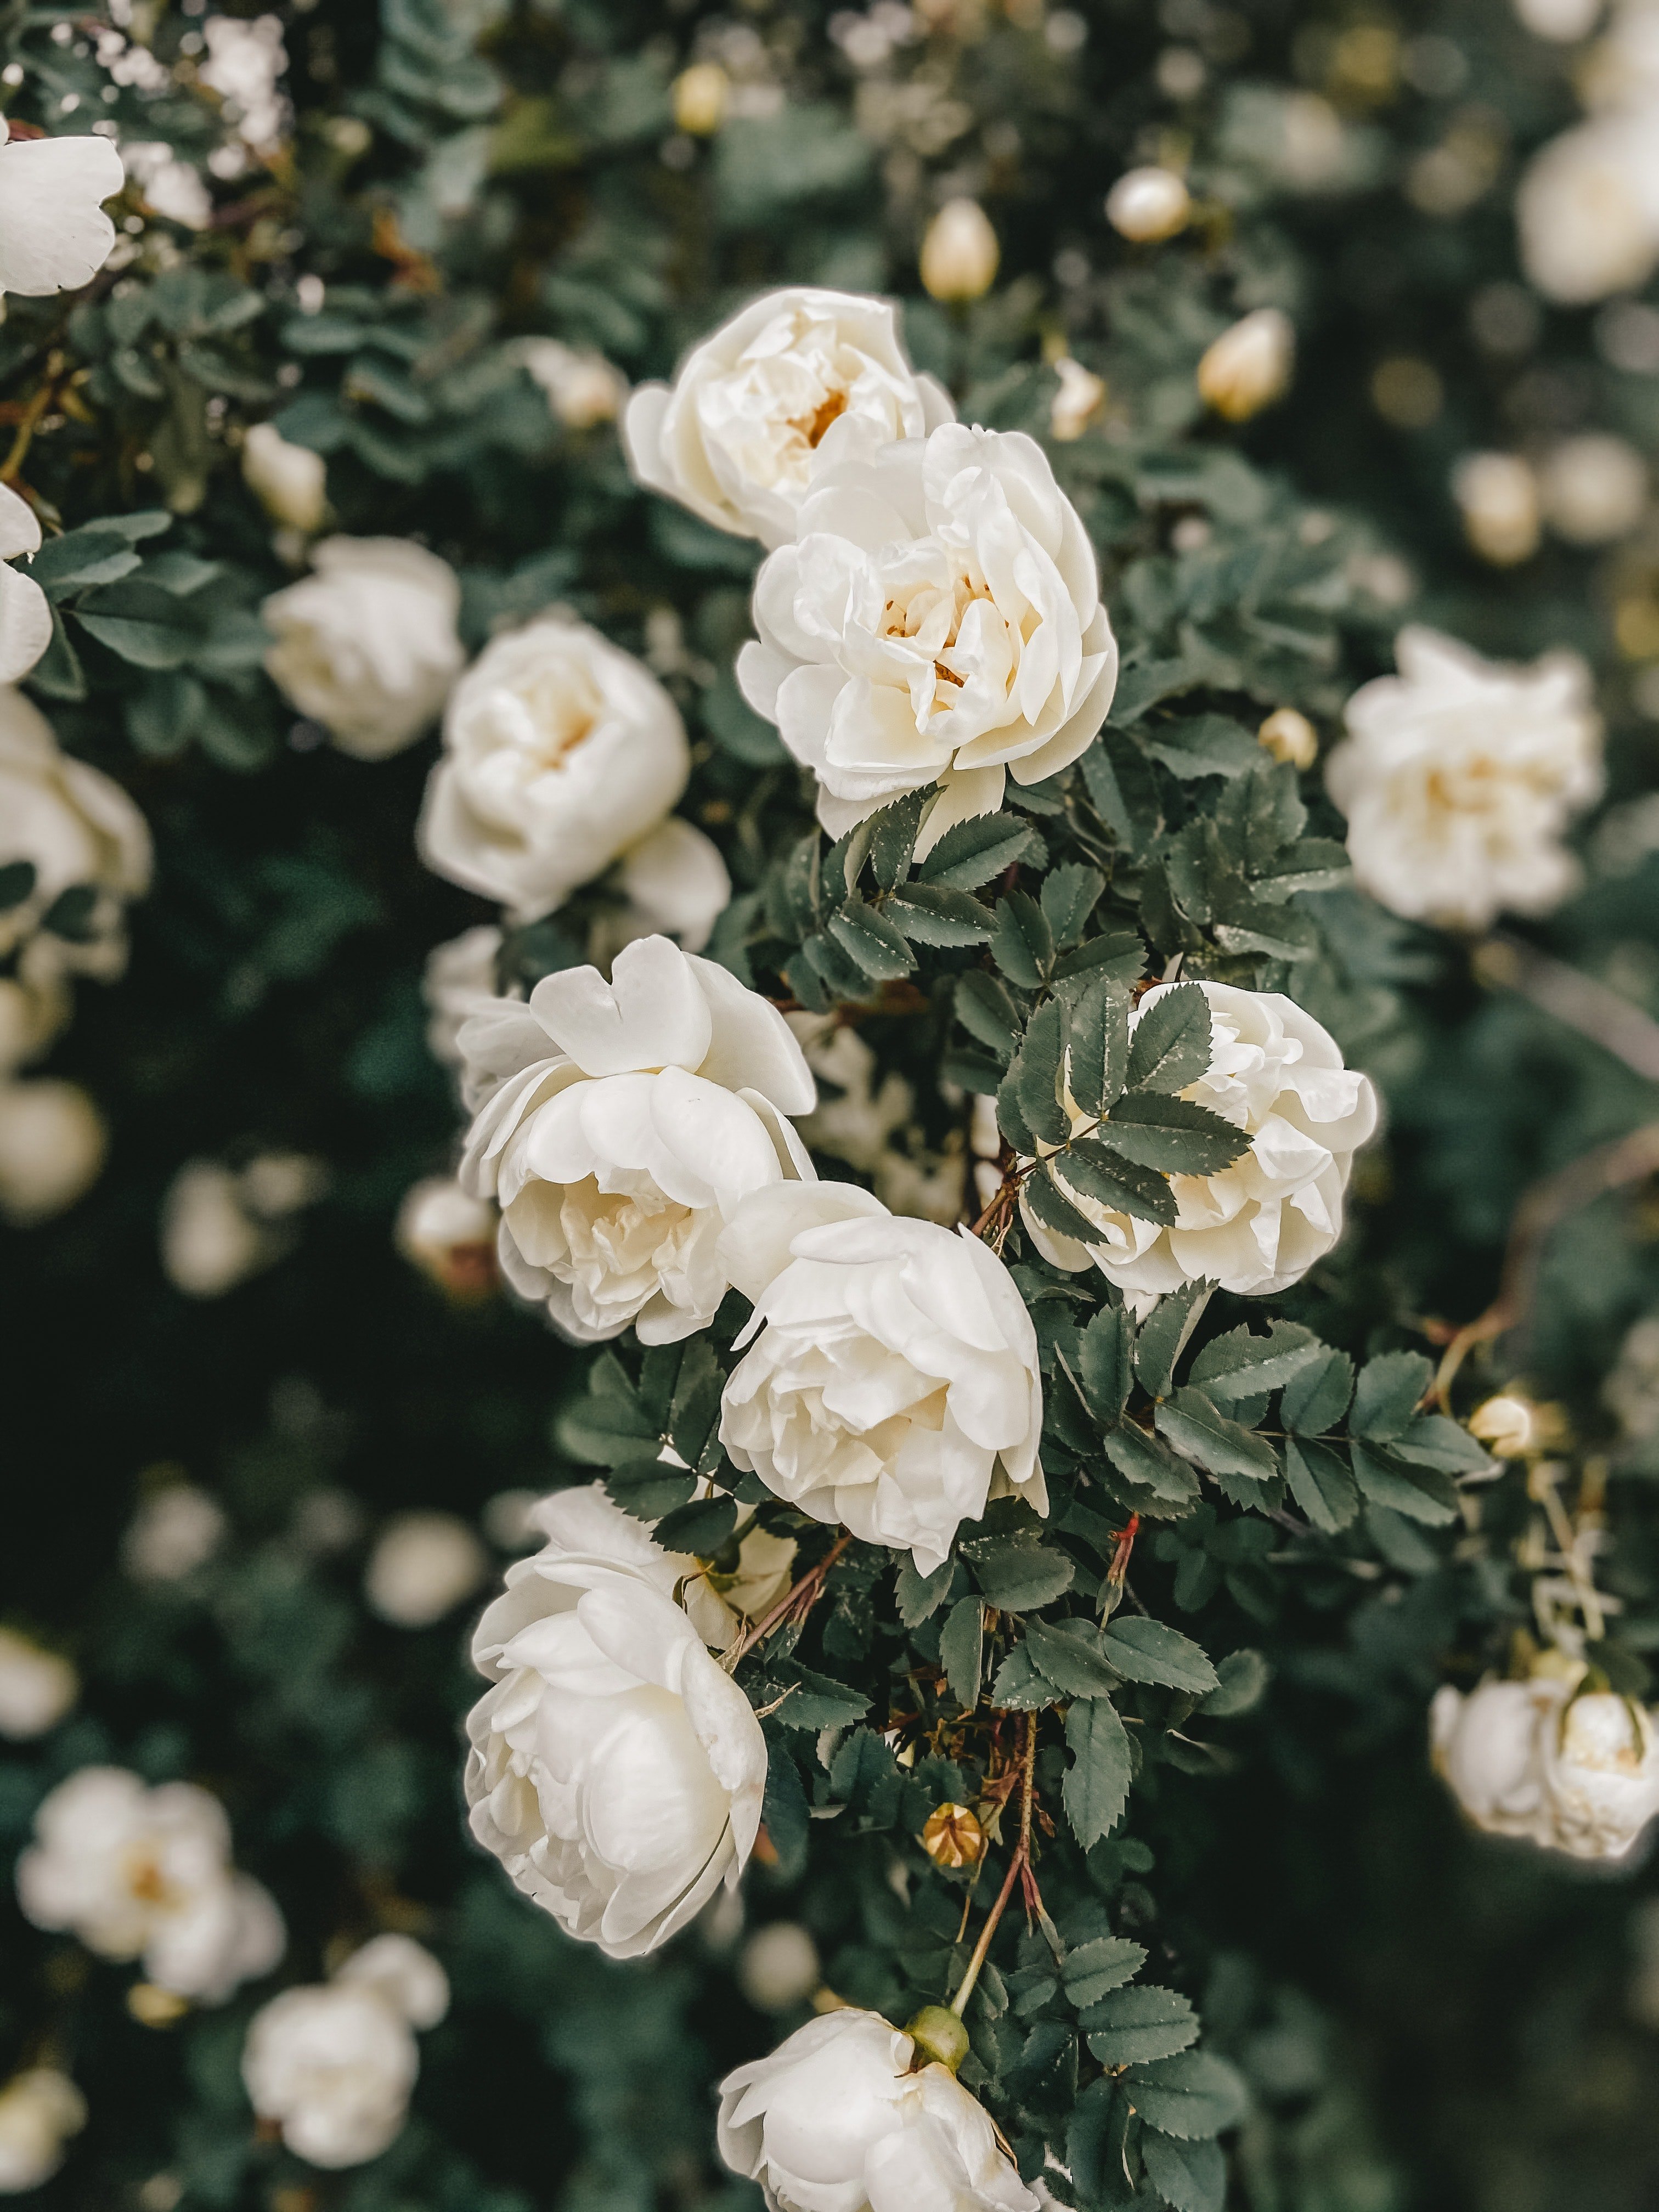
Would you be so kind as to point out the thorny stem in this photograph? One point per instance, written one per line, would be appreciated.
(799, 1598)
(1019, 1869)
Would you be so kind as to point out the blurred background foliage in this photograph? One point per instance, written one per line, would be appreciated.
(1426, 2019)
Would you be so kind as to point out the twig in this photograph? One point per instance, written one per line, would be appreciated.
(1019, 1870)
(800, 1597)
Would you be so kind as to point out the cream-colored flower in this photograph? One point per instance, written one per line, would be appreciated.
(1588, 210)
(458, 982)
(799, 379)
(835, 2120)
(619, 1125)
(52, 1144)
(135, 1872)
(778, 1967)
(891, 1378)
(702, 95)
(1079, 397)
(79, 831)
(617, 1770)
(423, 1566)
(583, 388)
(1148, 204)
(1290, 737)
(289, 482)
(37, 1688)
(25, 611)
(1460, 776)
(450, 1235)
(937, 621)
(1256, 1227)
(34, 1006)
(39, 2110)
(367, 646)
(1497, 497)
(1578, 1774)
(561, 751)
(1249, 365)
(959, 252)
(176, 1529)
(675, 884)
(1595, 489)
(54, 234)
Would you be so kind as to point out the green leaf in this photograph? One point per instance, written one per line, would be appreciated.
(1068, 898)
(81, 558)
(987, 1013)
(1096, 1785)
(694, 1415)
(143, 644)
(1176, 1136)
(1191, 2096)
(1034, 1070)
(1149, 1463)
(920, 1596)
(893, 838)
(1106, 1361)
(961, 1649)
(1316, 1398)
(1144, 1650)
(1119, 955)
(1022, 943)
(1191, 1423)
(1095, 1170)
(1171, 1044)
(1431, 1440)
(1097, 1043)
(1209, 745)
(1017, 1574)
(1243, 1678)
(1162, 1337)
(1240, 1365)
(1021, 1686)
(1190, 2177)
(815, 1701)
(647, 1489)
(1321, 1484)
(701, 1528)
(870, 939)
(934, 913)
(971, 852)
(1389, 1392)
(1094, 1970)
(784, 1809)
(1070, 1654)
(603, 1431)
(1049, 1202)
(1136, 2025)
(1417, 1492)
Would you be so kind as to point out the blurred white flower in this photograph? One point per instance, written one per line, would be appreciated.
(1528, 1760)
(209, 1242)
(289, 482)
(1497, 497)
(702, 95)
(422, 1567)
(54, 234)
(172, 188)
(561, 751)
(939, 621)
(134, 1871)
(176, 1529)
(1588, 210)
(245, 59)
(583, 388)
(617, 1770)
(959, 252)
(1148, 204)
(76, 827)
(450, 1235)
(1459, 776)
(890, 1381)
(858, 1126)
(34, 1008)
(52, 1143)
(333, 2064)
(836, 2121)
(1563, 21)
(39, 2110)
(460, 982)
(1258, 1226)
(618, 1125)
(778, 1967)
(1078, 400)
(1289, 736)
(37, 1688)
(799, 379)
(675, 881)
(367, 646)
(1595, 489)
(1249, 365)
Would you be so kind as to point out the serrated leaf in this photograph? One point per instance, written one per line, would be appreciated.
(1054, 1210)
(1097, 1784)
(814, 1701)
(701, 1528)
(1170, 1046)
(1190, 2177)
(1106, 1361)
(1094, 1970)
(1035, 1070)
(1095, 1171)
(1316, 1398)
(1144, 1650)
(920, 1596)
(1419, 1493)
(1021, 1686)
(1136, 2025)
(1191, 2096)
(870, 939)
(1022, 943)
(604, 1431)
(1148, 1463)
(1097, 1043)
(1017, 1574)
(1241, 1365)
(785, 1811)
(1321, 1484)
(986, 1012)
(1175, 1136)
(694, 1414)
(1192, 1423)
(1070, 1654)
(893, 838)
(1118, 955)
(971, 852)
(1162, 1337)
(934, 913)
(1209, 745)
(1387, 1392)
(962, 1648)
(1431, 1440)
(1243, 1678)
(647, 1489)
(1068, 897)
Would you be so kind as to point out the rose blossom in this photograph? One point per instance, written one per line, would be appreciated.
(37, 1688)
(619, 1124)
(367, 646)
(54, 234)
(290, 482)
(52, 1144)
(799, 379)
(1586, 209)
(1460, 775)
(135, 1871)
(458, 982)
(39, 2110)
(422, 1567)
(938, 620)
(891, 1379)
(450, 1235)
(1572, 1774)
(1257, 1226)
(560, 752)
(25, 610)
(617, 1770)
(836, 2121)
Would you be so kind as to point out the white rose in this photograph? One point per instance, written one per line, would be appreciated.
(1601, 1767)
(289, 482)
(619, 1125)
(1079, 397)
(168, 187)
(675, 881)
(450, 1235)
(891, 1382)
(367, 646)
(1588, 210)
(460, 982)
(37, 1688)
(52, 1143)
(25, 610)
(40, 2109)
(209, 1241)
(1148, 204)
(135, 1871)
(76, 827)
(617, 1770)
(939, 620)
(1258, 1226)
(836, 2121)
(779, 1967)
(798, 380)
(1488, 1746)
(560, 752)
(422, 1567)
(333, 2064)
(54, 234)
(175, 1530)
(583, 388)
(1595, 489)
(1460, 776)
(1497, 495)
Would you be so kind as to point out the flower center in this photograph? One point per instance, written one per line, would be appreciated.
(812, 426)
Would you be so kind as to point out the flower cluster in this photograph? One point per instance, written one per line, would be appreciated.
(1574, 1772)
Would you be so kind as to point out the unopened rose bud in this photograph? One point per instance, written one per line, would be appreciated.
(289, 482)
(1076, 403)
(1594, 490)
(1290, 737)
(1148, 204)
(450, 1236)
(1508, 1425)
(1498, 494)
(701, 95)
(960, 254)
(1249, 365)
(953, 1836)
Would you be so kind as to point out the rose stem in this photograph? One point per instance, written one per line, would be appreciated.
(1021, 1859)
(806, 1589)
